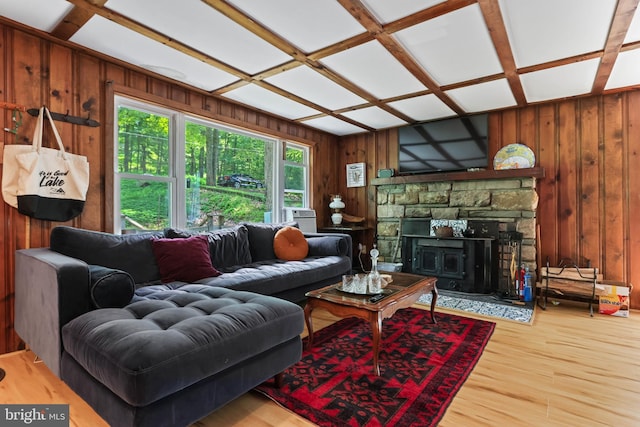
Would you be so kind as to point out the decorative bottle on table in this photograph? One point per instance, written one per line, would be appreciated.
(374, 279)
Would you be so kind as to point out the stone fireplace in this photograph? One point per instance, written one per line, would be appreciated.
(509, 204)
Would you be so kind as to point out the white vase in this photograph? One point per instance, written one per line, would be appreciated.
(336, 218)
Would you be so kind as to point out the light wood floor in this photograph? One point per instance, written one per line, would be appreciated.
(566, 369)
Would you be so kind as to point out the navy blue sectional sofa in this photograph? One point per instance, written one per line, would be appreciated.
(146, 353)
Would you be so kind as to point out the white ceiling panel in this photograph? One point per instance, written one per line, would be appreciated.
(626, 70)
(387, 11)
(454, 47)
(560, 82)
(374, 117)
(484, 96)
(633, 34)
(310, 85)
(139, 50)
(335, 126)
(375, 70)
(308, 24)
(41, 14)
(422, 108)
(545, 30)
(270, 101)
(194, 23)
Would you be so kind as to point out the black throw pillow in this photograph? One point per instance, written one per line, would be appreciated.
(110, 288)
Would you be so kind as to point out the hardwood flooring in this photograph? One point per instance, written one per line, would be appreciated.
(566, 369)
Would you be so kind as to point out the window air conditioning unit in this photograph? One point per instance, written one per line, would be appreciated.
(306, 218)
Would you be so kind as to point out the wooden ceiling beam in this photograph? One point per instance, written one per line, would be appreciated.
(498, 33)
(619, 27)
(560, 62)
(73, 21)
(427, 14)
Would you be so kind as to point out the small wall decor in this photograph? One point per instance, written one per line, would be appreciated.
(356, 175)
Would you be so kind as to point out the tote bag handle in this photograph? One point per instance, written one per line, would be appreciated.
(38, 132)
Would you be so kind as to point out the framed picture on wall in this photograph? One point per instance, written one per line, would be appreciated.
(356, 175)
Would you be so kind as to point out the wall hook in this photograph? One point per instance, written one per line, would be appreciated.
(67, 118)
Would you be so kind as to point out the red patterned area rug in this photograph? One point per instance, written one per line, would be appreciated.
(422, 367)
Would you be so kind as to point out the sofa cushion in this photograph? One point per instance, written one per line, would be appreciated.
(290, 244)
(261, 239)
(185, 260)
(109, 287)
(129, 252)
(227, 246)
(328, 245)
(176, 338)
(275, 276)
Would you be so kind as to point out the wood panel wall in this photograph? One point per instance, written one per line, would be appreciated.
(590, 198)
(37, 70)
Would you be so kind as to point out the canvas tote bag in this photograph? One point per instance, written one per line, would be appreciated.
(11, 171)
(52, 184)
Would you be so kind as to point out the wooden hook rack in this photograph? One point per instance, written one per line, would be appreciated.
(82, 121)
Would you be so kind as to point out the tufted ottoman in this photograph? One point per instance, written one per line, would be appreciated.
(173, 356)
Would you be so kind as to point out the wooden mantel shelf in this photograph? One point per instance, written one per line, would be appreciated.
(461, 176)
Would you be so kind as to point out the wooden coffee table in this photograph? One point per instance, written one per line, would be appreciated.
(402, 292)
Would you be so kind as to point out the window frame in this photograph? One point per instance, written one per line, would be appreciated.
(177, 141)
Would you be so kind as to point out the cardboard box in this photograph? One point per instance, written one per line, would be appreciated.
(614, 301)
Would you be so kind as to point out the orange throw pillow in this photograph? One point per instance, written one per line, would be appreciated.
(289, 244)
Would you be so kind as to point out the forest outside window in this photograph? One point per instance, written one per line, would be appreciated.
(175, 170)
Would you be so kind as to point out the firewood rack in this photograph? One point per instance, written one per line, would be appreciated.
(568, 280)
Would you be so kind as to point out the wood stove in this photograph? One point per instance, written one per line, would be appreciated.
(465, 264)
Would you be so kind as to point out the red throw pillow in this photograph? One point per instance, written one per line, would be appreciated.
(290, 244)
(184, 260)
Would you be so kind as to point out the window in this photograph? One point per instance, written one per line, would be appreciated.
(176, 170)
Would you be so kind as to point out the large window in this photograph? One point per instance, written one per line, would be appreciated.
(172, 169)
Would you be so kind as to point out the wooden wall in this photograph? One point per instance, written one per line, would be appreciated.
(590, 149)
(36, 70)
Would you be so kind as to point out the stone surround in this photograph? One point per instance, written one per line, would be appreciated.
(512, 202)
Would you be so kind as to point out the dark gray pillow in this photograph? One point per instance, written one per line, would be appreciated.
(327, 246)
(228, 246)
(261, 239)
(109, 287)
(129, 252)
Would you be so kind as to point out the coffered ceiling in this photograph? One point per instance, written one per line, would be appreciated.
(350, 66)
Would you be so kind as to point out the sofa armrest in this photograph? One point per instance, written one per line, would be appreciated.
(50, 290)
(329, 244)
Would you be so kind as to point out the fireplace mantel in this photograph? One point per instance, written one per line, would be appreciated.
(461, 176)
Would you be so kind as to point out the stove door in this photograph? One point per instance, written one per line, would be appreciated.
(427, 261)
(452, 263)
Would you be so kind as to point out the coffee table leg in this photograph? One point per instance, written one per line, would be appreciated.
(376, 329)
(307, 318)
(434, 298)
